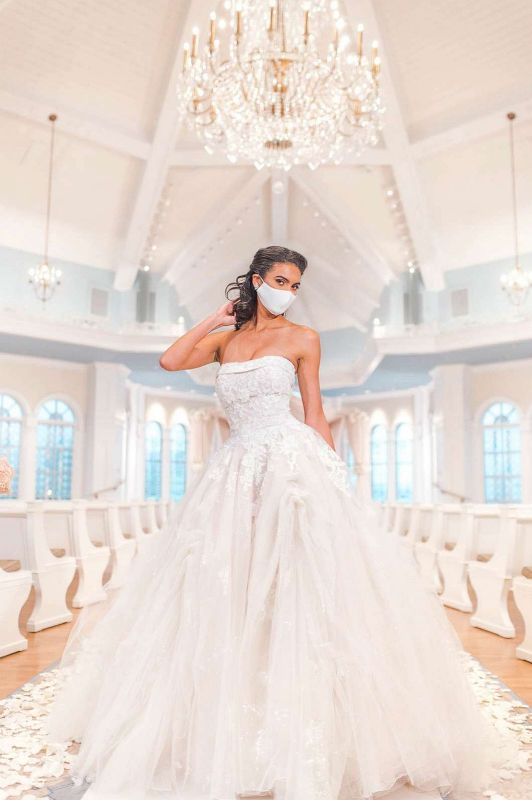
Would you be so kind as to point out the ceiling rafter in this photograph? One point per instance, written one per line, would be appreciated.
(316, 280)
(199, 157)
(160, 157)
(479, 128)
(212, 226)
(73, 124)
(402, 158)
(316, 190)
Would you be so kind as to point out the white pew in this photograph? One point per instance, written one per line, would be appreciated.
(492, 580)
(522, 589)
(401, 521)
(419, 524)
(103, 523)
(15, 588)
(129, 516)
(65, 523)
(23, 538)
(147, 517)
(161, 513)
(426, 552)
(385, 515)
(475, 529)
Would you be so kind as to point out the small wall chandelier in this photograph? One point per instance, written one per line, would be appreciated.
(45, 278)
(516, 283)
(285, 87)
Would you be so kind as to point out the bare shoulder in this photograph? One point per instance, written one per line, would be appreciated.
(224, 337)
(308, 339)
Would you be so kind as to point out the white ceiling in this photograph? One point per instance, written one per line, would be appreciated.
(451, 72)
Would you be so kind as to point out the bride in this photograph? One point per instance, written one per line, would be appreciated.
(273, 641)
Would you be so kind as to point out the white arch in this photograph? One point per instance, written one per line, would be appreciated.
(156, 412)
(402, 415)
(483, 407)
(65, 398)
(21, 400)
(379, 417)
(179, 416)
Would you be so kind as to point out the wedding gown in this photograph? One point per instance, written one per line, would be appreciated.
(273, 639)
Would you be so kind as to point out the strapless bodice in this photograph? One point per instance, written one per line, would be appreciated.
(255, 394)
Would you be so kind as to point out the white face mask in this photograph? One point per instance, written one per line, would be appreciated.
(275, 300)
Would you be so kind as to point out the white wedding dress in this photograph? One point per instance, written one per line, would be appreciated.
(273, 639)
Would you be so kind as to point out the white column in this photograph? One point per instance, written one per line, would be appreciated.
(105, 440)
(453, 436)
(422, 446)
(396, 304)
(134, 489)
(358, 433)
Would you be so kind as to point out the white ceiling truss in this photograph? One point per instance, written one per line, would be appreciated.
(353, 232)
(159, 160)
(159, 147)
(210, 229)
(402, 159)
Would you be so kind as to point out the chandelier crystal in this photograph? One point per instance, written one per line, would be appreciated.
(285, 86)
(516, 283)
(45, 278)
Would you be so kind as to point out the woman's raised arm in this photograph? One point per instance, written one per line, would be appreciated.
(199, 345)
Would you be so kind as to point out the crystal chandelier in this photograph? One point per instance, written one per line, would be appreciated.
(516, 283)
(44, 278)
(284, 87)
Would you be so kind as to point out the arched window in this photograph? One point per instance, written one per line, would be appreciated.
(153, 460)
(403, 462)
(10, 437)
(502, 453)
(55, 444)
(178, 461)
(379, 463)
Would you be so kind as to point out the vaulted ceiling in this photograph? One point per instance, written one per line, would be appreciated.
(128, 173)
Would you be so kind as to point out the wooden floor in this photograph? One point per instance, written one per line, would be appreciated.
(494, 652)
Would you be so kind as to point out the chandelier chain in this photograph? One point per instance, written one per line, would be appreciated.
(52, 119)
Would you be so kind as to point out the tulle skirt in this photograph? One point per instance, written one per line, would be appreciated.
(273, 638)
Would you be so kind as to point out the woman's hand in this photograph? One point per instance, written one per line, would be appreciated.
(225, 315)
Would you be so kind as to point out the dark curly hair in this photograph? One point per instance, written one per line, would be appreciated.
(263, 261)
